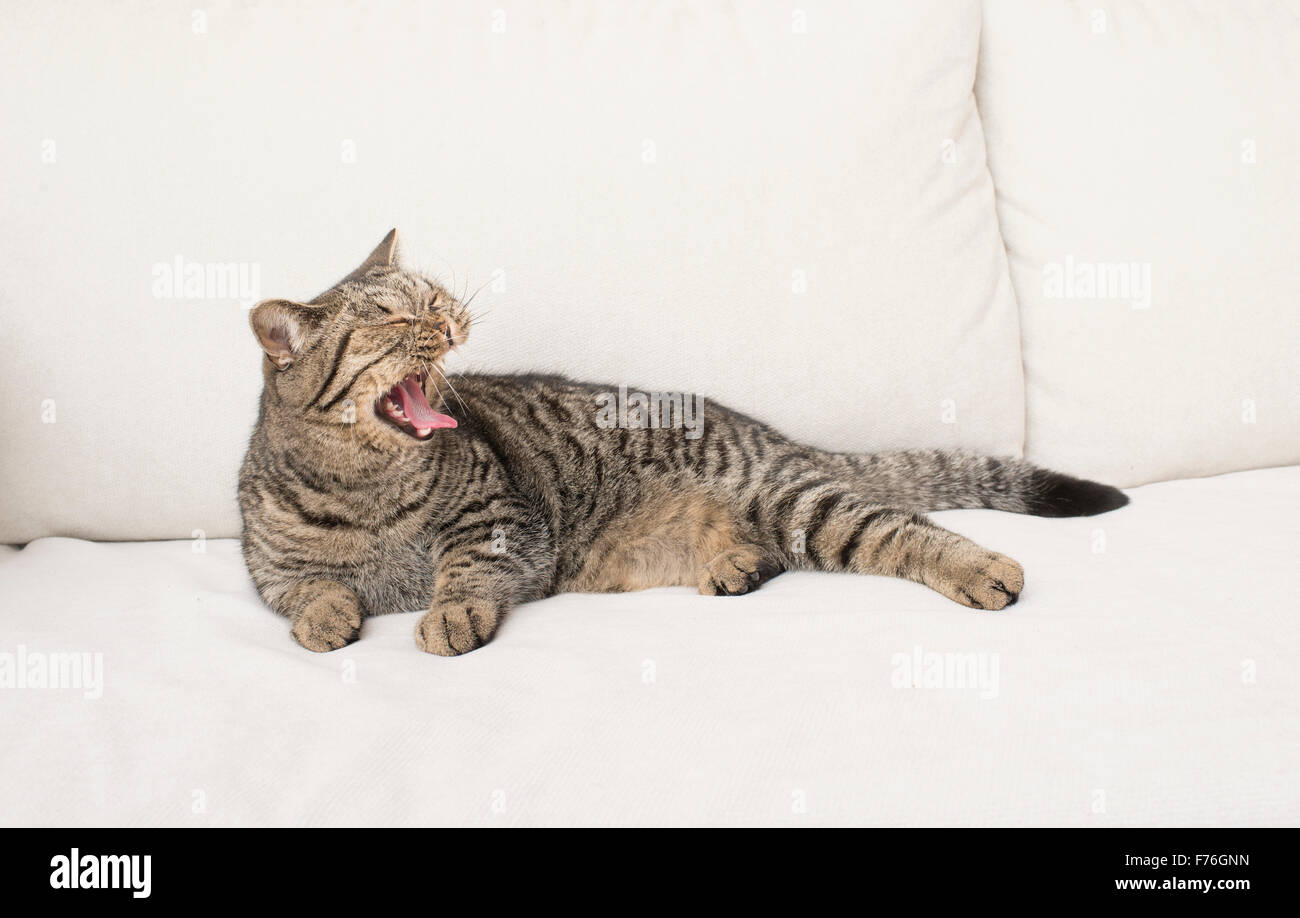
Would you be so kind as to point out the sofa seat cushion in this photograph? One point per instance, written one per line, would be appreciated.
(1144, 678)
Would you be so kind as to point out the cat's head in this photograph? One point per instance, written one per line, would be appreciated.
(364, 359)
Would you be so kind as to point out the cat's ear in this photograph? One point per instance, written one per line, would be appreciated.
(282, 328)
(384, 255)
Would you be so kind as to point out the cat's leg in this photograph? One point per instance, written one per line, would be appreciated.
(326, 615)
(484, 570)
(900, 543)
(914, 548)
(835, 531)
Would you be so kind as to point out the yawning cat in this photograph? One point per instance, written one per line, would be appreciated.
(362, 494)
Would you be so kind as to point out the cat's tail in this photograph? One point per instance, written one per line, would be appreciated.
(940, 480)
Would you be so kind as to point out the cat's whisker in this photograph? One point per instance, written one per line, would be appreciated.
(459, 400)
(464, 303)
(437, 369)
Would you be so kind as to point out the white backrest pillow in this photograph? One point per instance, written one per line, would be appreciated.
(786, 210)
(1145, 156)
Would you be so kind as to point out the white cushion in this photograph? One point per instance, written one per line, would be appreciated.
(787, 211)
(1151, 139)
(1127, 687)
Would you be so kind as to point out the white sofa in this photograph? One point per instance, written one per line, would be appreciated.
(872, 224)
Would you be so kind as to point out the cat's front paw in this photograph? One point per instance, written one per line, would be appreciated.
(453, 628)
(328, 622)
(737, 571)
(993, 584)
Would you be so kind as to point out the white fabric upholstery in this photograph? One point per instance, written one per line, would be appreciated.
(1151, 682)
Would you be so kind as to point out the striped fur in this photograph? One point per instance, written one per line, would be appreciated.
(346, 516)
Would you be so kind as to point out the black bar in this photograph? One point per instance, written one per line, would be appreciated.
(329, 867)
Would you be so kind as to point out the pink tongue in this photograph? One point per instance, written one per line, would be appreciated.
(416, 407)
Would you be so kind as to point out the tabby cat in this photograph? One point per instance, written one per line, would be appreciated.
(362, 496)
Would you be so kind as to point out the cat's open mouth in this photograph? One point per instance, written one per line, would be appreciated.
(406, 407)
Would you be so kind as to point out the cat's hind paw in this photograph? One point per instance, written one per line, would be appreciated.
(737, 571)
(994, 584)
